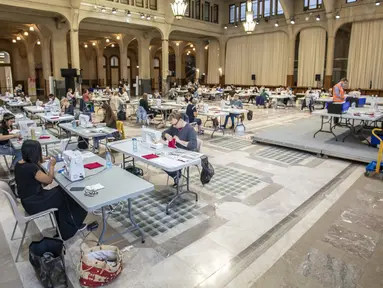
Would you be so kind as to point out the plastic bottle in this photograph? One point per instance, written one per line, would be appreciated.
(74, 124)
(108, 160)
(134, 143)
(43, 129)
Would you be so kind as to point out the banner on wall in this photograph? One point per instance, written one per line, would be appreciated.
(32, 86)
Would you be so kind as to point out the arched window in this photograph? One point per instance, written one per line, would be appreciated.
(128, 62)
(5, 73)
(156, 63)
(114, 61)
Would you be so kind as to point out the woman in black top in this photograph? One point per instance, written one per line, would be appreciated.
(30, 180)
(5, 146)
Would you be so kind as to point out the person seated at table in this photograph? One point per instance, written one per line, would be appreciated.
(308, 101)
(19, 91)
(53, 101)
(157, 95)
(67, 107)
(107, 91)
(188, 97)
(234, 103)
(5, 146)
(110, 120)
(184, 136)
(7, 94)
(143, 109)
(31, 178)
(251, 98)
(192, 113)
(70, 96)
(124, 95)
(27, 99)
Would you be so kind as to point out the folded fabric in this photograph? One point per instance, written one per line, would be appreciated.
(93, 165)
(172, 143)
(149, 156)
(44, 137)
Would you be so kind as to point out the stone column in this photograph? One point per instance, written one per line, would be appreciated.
(74, 49)
(31, 69)
(144, 65)
(178, 54)
(46, 57)
(100, 63)
(290, 64)
(124, 62)
(165, 65)
(329, 62)
(59, 53)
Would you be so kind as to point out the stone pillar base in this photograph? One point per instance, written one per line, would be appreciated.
(328, 82)
(290, 80)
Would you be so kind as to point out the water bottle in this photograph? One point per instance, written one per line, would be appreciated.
(74, 124)
(108, 160)
(43, 129)
(353, 105)
(134, 143)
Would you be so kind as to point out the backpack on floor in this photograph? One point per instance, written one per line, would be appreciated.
(250, 115)
(207, 170)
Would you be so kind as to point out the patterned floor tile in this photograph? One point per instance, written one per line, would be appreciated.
(230, 182)
(228, 142)
(286, 156)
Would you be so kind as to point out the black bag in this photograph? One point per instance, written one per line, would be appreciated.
(250, 115)
(83, 143)
(46, 257)
(135, 171)
(121, 115)
(207, 170)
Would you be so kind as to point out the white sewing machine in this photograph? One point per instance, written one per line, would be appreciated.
(74, 165)
(85, 121)
(152, 138)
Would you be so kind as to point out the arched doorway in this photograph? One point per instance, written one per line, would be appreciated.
(341, 48)
(6, 81)
(114, 71)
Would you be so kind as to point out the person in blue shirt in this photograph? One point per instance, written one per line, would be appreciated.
(234, 103)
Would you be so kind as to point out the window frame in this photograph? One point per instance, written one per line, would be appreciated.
(215, 14)
(206, 4)
(242, 18)
(307, 5)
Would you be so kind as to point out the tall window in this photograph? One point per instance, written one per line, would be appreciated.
(255, 9)
(312, 4)
(243, 11)
(206, 13)
(266, 12)
(260, 8)
(231, 14)
(114, 61)
(279, 9)
(187, 11)
(197, 9)
(350, 1)
(236, 14)
(153, 4)
(215, 13)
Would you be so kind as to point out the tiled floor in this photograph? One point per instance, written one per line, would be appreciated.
(270, 218)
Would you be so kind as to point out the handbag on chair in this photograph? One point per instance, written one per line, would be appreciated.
(100, 265)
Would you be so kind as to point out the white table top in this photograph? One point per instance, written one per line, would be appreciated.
(234, 110)
(50, 118)
(34, 109)
(16, 143)
(18, 104)
(88, 132)
(325, 99)
(162, 107)
(177, 105)
(129, 185)
(100, 99)
(169, 159)
(362, 117)
(282, 96)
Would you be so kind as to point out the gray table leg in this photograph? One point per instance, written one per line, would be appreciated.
(179, 193)
(100, 239)
(134, 222)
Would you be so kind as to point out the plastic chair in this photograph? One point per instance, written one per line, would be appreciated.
(120, 128)
(25, 219)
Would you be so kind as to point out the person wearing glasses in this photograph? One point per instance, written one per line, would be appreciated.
(184, 136)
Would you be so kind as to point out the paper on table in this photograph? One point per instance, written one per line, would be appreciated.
(166, 162)
(95, 187)
(87, 155)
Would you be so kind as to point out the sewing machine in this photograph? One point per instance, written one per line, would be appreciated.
(152, 138)
(74, 165)
(85, 121)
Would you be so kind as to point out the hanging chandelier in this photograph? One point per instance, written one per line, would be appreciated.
(179, 8)
(249, 25)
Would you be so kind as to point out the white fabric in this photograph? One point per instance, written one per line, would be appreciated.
(213, 63)
(365, 57)
(265, 55)
(311, 57)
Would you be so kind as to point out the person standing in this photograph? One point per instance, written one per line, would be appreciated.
(338, 94)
